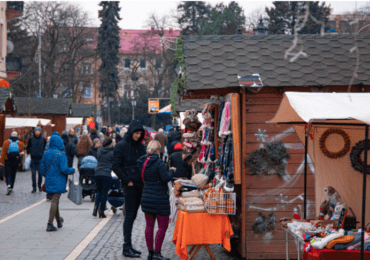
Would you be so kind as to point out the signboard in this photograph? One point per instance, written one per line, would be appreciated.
(89, 119)
(98, 119)
(153, 106)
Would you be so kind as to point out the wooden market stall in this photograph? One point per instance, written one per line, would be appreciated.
(7, 108)
(55, 109)
(212, 66)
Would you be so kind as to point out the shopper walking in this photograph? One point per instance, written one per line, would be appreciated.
(175, 139)
(73, 140)
(35, 148)
(10, 157)
(69, 150)
(103, 177)
(94, 134)
(94, 150)
(183, 170)
(124, 164)
(155, 201)
(162, 139)
(54, 166)
(83, 147)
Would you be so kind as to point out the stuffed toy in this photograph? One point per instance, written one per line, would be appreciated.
(323, 242)
(191, 137)
(191, 121)
(338, 210)
(324, 209)
(333, 197)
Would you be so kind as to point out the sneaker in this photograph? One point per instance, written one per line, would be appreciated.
(34, 191)
(9, 190)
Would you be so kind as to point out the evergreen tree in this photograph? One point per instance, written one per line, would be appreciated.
(191, 14)
(223, 20)
(108, 48)
(284, 16)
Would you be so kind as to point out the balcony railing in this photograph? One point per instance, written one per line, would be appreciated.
(13, 5)
(13, 63)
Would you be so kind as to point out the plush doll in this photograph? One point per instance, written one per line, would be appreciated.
(338, 210)
(324, 209)
(191, 136)
(333, 197)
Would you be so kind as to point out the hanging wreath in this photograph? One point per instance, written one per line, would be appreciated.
(355, 157)
(4, 83)
(341, 153)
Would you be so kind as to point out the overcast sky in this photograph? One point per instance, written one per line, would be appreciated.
(134, 14)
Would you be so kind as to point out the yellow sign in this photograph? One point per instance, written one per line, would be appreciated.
(153, 106)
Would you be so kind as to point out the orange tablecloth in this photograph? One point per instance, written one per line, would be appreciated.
(200, 228)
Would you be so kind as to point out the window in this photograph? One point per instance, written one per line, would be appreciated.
(66, 92)
(158, 63)
(127, 63)
(142, 64)
(86, 68)
(87, 89)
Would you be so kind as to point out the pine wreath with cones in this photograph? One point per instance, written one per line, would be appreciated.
(339, 154)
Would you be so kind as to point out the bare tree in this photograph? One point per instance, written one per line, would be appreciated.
(67, 48)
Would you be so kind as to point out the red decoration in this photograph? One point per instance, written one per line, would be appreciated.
(296, 216)
(171, 31)
(92, 125)
(4, 83)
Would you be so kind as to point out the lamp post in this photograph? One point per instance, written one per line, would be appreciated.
(133, 102)
(106, 107)
(119, 112)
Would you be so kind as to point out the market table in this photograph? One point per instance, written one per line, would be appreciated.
(200, 229)
(332, 254)
(299, 241)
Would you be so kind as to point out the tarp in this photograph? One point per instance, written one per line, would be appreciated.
(75, 120)
(25, 122)
(303, 107)
(165, 110)
(340, 109)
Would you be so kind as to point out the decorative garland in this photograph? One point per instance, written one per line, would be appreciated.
(179, 85)
(355, 156)
(341, 153)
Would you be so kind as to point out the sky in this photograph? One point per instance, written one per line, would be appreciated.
(134, 14)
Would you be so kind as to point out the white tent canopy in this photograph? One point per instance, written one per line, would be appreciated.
(25, 122)
(306, 107)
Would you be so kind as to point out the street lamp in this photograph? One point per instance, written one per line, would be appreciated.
(133, 103)
(106, 108)
(119, 113)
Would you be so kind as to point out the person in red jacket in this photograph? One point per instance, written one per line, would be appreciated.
(10, 158)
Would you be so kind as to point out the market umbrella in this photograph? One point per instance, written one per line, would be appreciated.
(165, 110)
(299, 108)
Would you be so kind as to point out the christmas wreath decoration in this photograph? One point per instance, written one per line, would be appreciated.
(355, 156)
(339, 154)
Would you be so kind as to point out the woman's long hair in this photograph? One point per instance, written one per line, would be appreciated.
(84, 145)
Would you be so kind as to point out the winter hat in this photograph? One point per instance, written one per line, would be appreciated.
(55, 133)
(14, 134)
(64, 132)
(96, 140)
(37, 128)
(178, 146)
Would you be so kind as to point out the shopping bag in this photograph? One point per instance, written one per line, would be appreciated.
(74, 192)
(27, 163)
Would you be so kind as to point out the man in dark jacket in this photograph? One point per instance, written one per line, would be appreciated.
(35, 148)
(183, 169)
(126, 153)
(69, 150)
(175, 139)
(94, 134)
(73, 140)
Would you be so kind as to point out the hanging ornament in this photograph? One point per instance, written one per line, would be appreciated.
(341, 153)
(355, 156)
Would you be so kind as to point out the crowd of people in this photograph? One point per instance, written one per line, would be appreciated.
(144, 169)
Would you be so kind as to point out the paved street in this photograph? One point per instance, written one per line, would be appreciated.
(24, 236)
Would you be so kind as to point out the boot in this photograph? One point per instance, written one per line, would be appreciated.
(137, 252)
(150, 256)
(95, 211)
(127, 252)
(158, 256)
(102, 215)
(51, 227)
(61, 221)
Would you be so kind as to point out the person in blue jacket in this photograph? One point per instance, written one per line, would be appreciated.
(54, 166)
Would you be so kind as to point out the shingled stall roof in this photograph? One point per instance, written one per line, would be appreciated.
(187, 104)
(32, 105)
(4, 92)
(82, 110)
(214, 61)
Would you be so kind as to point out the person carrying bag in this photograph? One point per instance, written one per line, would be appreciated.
(54, 167)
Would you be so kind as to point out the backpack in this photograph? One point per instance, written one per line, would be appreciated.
(13, 151)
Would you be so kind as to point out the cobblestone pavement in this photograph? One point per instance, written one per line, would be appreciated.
(108, 243)
(21, 197)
